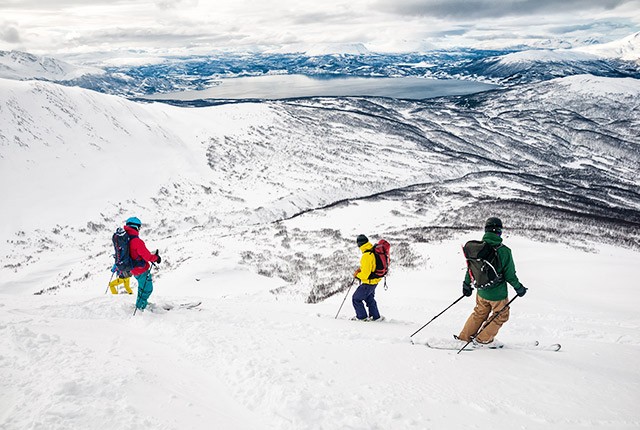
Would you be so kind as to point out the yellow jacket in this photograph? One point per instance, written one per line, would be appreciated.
(367, 265)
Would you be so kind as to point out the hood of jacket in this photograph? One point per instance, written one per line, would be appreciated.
(366, 247)
(131, 231)
(492, 238)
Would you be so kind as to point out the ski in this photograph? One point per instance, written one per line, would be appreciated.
(457, 345)
(448, 345)
(533, 346)
(446, 348)
(166, 307)
(188, 305)
(553, 347)
(368, 319)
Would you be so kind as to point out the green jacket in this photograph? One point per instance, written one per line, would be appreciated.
(507, 268)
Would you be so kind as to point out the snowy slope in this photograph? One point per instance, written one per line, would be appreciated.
(627, 48)
(230, 167)
(252, 359)
(615, 59)
(255, 206)
(23, 66)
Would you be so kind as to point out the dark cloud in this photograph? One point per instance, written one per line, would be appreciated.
(9, 34)
(320, 17)
(597, 26)
(473, 9)
(452, 32)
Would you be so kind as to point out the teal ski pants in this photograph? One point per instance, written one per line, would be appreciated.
(145, 288)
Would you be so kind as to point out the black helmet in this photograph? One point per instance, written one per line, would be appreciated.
(493, 225)
(361, 239)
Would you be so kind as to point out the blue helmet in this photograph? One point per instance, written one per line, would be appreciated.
(133, 222)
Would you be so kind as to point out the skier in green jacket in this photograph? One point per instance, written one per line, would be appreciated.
(492, 300)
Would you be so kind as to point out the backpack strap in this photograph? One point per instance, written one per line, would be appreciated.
(378, 258)
(499, 268)
(372, 275)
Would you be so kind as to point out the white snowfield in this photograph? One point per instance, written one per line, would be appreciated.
(210, 185)
(250, 359)
(22, 66)
(627, 48)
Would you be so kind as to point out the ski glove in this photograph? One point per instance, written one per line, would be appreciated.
(521, 290)
(159, 259)
(467, 289)
(355, 274)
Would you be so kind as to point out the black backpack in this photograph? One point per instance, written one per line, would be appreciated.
(483, 264)
(124, 263)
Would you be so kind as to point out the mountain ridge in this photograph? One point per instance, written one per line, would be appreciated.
(506, 67)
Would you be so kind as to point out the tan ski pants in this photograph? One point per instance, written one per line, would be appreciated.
(480, 315)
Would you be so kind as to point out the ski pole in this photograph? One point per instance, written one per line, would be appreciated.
(487, 324)
(345, 297)
(110, 279)
(447, 308)
(138, 297)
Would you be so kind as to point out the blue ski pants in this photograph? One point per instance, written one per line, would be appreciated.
(365, 293)
(145, 288)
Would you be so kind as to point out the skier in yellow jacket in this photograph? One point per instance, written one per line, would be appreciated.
(365, 293)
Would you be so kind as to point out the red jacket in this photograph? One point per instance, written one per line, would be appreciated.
(139, 252)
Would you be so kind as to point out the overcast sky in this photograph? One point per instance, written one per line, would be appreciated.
(160, 27)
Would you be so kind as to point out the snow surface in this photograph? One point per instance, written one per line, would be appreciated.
(545, 56)
(627, 48)
(252, 359)
(21, 65)
(598, 86)
(255, 355)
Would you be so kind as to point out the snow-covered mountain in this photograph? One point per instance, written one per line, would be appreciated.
(507, 67)
(615, 59)
(21, 65)
(559, 156)
(627, 49)
(255, 207)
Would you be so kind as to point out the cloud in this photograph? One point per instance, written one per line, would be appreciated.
(175, 4)
(183, 27)
(10, 34)
(471, 9)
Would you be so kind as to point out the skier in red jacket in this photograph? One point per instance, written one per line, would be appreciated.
(141, 257)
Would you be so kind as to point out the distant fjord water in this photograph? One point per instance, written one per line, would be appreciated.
(275, 87)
